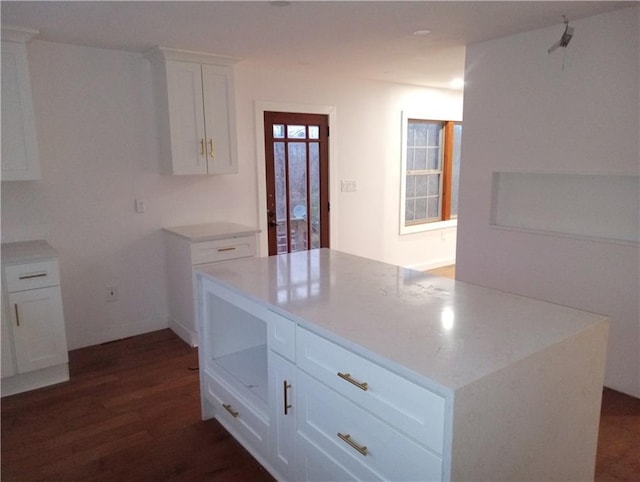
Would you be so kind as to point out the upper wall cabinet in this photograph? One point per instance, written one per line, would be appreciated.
(20, 159)
(196, 112)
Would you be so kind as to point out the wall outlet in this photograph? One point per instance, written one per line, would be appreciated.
(111, 293)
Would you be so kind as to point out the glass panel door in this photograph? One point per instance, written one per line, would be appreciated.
(297, 181)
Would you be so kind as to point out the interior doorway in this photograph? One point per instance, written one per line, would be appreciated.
(297, 181)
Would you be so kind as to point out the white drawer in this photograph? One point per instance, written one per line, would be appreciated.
(223, 249)
(28, 276)
(362, 443)
(281, 335)
(404, 405)
(238, 417)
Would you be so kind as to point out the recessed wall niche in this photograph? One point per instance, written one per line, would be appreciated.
(599, 206)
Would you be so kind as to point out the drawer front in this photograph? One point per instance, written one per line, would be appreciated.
(28, 276)
(223, 249)
(281, 335)
(362, 443)
(404, 405)
(237, 416)
(314, 465)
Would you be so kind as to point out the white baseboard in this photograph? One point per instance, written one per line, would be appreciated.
(118, 332)
(35, 379)
(183, 332)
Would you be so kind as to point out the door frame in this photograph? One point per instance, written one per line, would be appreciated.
(260, 108)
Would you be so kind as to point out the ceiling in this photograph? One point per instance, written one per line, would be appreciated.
(370, 39)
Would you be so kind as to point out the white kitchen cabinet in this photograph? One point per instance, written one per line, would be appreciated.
(283, 409)
(393, 374)
(20, 158)
(33, 327)
(196, 112)
(193, 245)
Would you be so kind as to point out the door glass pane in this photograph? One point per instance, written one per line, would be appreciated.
(314, 195)
(298, 195)
(278, 131)
(281, 196)
(314, 132)
(296, 132)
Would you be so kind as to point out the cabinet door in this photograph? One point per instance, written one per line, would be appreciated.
(219, 115)
(283, 426)
(19, 145)
(38, 328)
(8, 361)
(186, 118)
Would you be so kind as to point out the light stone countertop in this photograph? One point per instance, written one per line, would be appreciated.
(27, 251)
(429, 329)
(211, 231)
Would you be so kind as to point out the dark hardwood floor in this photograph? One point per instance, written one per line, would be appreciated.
(131, 412)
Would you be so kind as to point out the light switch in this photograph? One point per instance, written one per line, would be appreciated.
(139, 206)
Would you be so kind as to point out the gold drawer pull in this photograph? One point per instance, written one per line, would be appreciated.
(211, 148)
(360, 448)
(347, 377)
(220, 250)
(229, 409)
(202, 147)
(17, 314)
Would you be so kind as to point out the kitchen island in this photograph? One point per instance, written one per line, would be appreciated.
(331, 366)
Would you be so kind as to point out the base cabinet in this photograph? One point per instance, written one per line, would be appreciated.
(34, 340)
(310, 404)
(305, 428)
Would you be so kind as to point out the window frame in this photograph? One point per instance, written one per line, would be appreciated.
(446, 164)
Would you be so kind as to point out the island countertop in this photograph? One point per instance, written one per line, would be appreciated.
(425, 327)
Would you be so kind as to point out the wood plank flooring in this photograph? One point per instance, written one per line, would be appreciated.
(131, 412)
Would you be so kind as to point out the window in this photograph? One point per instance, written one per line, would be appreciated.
(430, 173)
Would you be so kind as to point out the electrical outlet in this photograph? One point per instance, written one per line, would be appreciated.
(112, 293)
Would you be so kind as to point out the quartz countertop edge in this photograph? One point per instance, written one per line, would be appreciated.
(197, 233)
(398, 318)
(27, 251)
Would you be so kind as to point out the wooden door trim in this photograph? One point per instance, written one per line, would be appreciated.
(260, 108)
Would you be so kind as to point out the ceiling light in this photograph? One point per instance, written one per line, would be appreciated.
(421, 33)
(457, 83)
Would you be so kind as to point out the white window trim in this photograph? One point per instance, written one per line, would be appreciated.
(426, 226)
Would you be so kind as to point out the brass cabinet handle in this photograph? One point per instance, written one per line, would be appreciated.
(287, 406)
(347, 376)
(360, 448)
(220, 250)
(229, 409)
(211, 147)
(202, 146)
(17, 314)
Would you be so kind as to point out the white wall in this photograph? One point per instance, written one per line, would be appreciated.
(536, 117)
(368, 151)
(96, 131)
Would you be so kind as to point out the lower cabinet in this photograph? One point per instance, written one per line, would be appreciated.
(283, 409)
(34, 342)
(293, 398)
